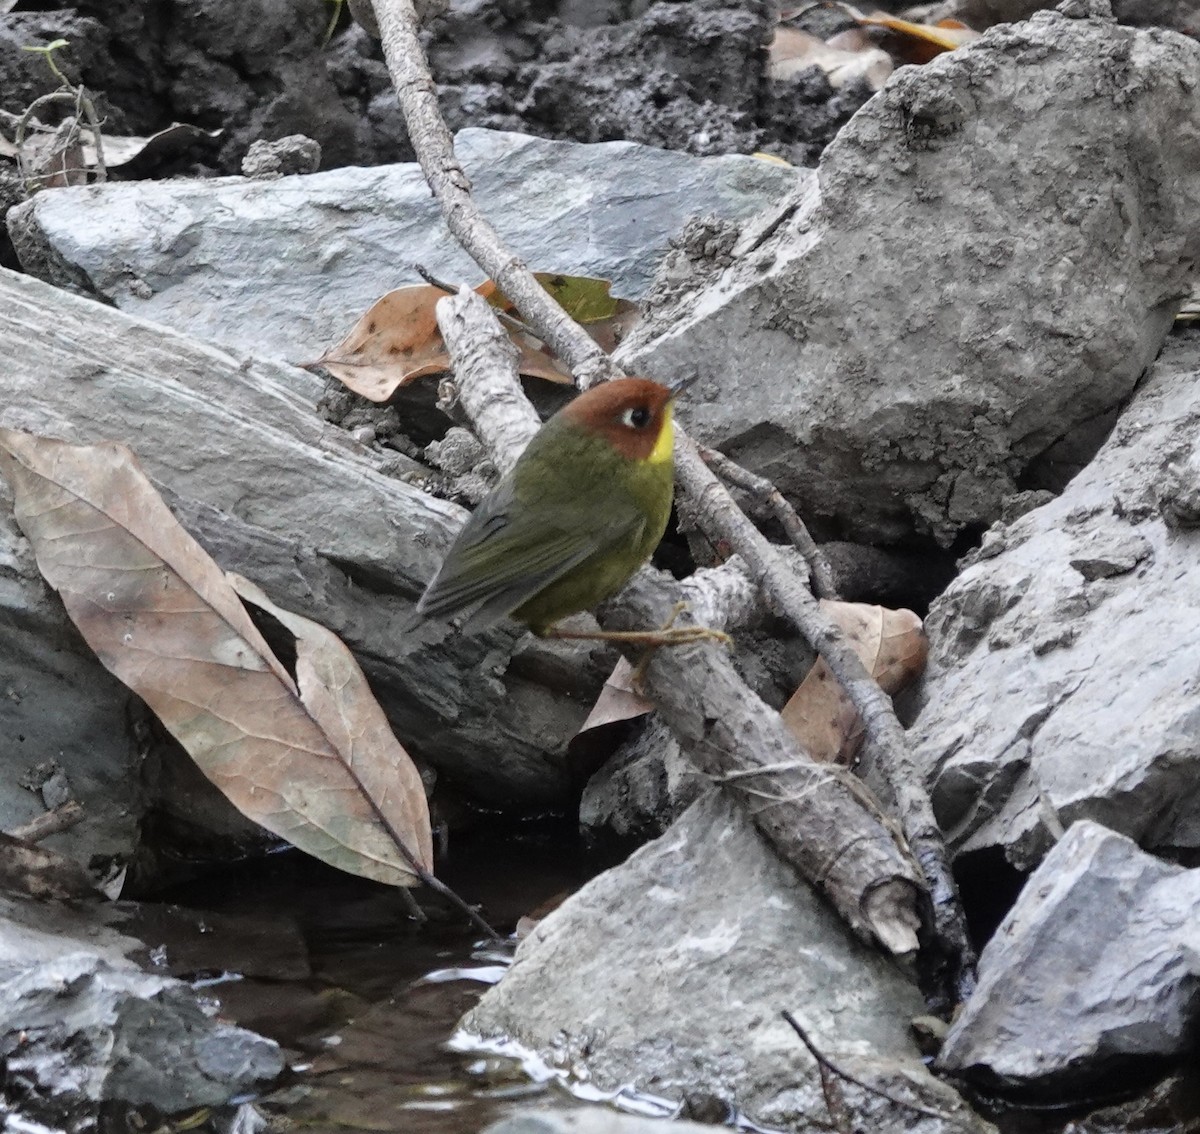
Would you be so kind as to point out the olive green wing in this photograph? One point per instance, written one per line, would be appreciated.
(500, 561)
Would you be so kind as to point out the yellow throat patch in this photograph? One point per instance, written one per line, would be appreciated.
(664, 447)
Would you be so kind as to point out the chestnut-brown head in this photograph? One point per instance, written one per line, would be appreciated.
(633, 414)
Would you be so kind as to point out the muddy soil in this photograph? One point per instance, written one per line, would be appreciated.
(682, 75)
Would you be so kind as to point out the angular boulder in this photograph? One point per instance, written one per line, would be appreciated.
(990, 257)
(667, 976)
(284, 268)
(1092, 978)
(1061, 682)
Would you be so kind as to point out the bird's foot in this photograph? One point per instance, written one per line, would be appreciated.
(666, 635)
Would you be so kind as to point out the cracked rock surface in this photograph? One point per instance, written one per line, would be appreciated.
(1070, 1002)
(990, 256)
(1061, 681)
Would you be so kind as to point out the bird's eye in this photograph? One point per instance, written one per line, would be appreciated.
(636, 417)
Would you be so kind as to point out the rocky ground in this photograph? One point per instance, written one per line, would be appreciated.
(953, 347)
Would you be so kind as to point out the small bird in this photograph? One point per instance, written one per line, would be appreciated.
(582, 509)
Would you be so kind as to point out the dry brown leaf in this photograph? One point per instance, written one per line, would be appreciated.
(309, 764)
(919, 43)
(398, 341)
(792, 51)
(616, 704)
(394, 343)
(893, 647)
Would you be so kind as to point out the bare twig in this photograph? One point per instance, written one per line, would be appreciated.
(819, 818)
(450, 289)
(825, 1062)
(793, 526)
(49, 823)
(84, 106)
(887, 746)
(488, 388)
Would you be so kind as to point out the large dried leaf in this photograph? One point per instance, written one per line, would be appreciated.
(398, 341)
(893, 647)
(309, 764)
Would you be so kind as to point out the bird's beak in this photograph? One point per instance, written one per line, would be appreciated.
(678, 385)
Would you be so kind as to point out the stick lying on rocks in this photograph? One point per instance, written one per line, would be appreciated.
(851, 868)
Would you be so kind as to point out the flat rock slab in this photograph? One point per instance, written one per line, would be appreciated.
(667, 975)
(1062, 680)
(990, 257)
(1093, 976)
(279, 495)
(284, 268)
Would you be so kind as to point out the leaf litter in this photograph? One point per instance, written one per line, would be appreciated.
(397, 339)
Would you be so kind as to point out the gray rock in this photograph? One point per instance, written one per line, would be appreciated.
(991, 257)
(79, 1031)
(1093, 976)
(591, 1121)
(284, 268)
(81, 1025)
(1060, 683)
(266, 161)
(33, 931)
(274, 492)
(59, 707)
(642, 789)
(667, 976)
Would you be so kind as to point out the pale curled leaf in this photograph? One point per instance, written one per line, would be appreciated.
(123, 149)
(893, 647)
(618, 700)
(161, 616)
(617, 703)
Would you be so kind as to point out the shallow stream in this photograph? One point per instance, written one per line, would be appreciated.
(366, 999)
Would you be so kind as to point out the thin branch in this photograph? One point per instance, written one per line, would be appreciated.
(487, 384)
(794, 527)
(49, 823)
(828, 1064)
(887, 746)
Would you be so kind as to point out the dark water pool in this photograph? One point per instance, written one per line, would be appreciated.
(362, 996)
